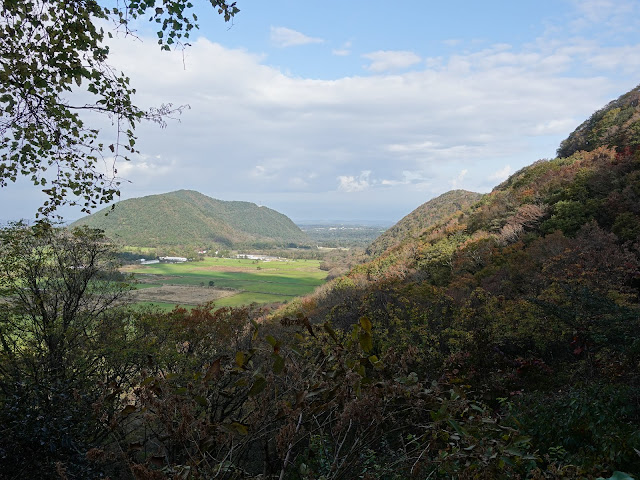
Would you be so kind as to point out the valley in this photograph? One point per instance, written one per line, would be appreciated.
(227, 281)
(366, 246)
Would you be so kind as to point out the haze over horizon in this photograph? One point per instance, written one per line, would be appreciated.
(355, 112)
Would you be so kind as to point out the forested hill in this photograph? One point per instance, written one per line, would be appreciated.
(423, 217)
(617, 124)
(529, 301)
(189, 218)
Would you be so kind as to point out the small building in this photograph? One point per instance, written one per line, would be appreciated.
(173, 259)
(148, 262)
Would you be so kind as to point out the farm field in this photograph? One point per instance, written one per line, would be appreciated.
(235, 281)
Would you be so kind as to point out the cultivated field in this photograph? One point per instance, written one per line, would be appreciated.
(235, 281)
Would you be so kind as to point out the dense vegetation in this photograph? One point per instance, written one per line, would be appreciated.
(501, 342)
(528, 301)
(190, 219)
(615, 125)
(423, 217)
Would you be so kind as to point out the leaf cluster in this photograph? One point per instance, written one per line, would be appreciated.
(54, 71)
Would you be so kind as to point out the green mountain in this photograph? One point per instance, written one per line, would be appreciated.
(423, 217)
(529, 301)
(189, 218)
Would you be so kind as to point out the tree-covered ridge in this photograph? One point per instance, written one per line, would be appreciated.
(530, 299)
(617, 124)
(427, 214)
(189, 218)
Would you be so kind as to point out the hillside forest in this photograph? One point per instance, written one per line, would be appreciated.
(499, 340)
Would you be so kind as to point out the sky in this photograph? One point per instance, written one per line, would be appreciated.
(361, 110)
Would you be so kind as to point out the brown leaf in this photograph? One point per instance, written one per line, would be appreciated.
(214, 370)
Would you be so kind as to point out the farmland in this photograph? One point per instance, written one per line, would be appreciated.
(228, 282)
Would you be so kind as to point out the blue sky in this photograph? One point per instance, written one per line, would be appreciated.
(363, 110)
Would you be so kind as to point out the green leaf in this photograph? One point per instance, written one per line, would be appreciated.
(240, 359)
(366, 342)
(258, 385)
(239, 428)
(365, 323)
(458, 428)
(331, 332)
(201, 400)
(278, 364)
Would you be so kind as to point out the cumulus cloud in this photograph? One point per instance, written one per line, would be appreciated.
(501, 175)
(286, 37)
(256, 133)
(350, 183)
(384, 60)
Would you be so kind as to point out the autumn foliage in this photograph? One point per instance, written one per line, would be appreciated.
(502, 341)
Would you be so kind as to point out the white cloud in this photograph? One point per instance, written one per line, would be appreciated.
(501, 175)
(256, 133)
(452, 42)
(145, 166)
(556, 126)
(426, 146)
(253, 130)
(343, 51)
(457, 181)
(286, 37)
(384, 60)
(349, 183)
(604, 19)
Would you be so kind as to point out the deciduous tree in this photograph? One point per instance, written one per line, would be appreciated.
(56, 288)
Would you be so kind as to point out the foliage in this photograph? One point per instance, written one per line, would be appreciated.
(432, 212)
(57, 289)
(529, 301)
(55, 69)
(617, 124)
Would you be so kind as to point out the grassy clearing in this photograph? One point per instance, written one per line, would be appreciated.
(251, 281)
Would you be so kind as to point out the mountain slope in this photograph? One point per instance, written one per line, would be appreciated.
(423, 217)
(530, 300)
(186, 217)
(616, 124)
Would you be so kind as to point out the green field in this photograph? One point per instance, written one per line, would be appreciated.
(250, 280)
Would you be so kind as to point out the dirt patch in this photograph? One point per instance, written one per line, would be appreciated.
(181, 294)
